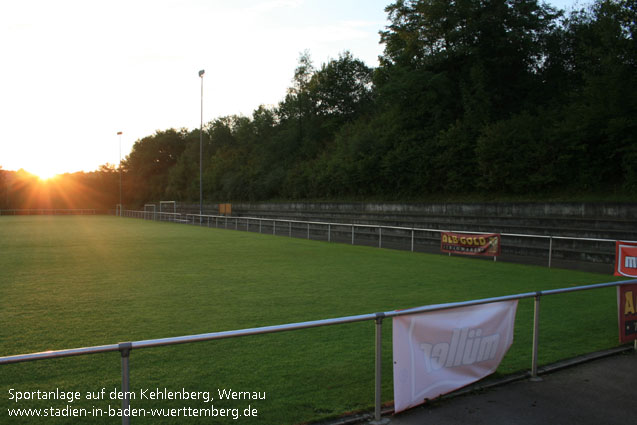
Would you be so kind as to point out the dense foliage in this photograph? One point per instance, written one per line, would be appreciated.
(491, 97)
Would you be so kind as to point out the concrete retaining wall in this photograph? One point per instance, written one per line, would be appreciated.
(501, 209)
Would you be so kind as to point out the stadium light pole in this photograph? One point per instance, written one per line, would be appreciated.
(119, 133)
(201, 73)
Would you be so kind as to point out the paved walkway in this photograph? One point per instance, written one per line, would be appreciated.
(602, 391)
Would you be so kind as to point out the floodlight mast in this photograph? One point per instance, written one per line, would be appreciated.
(119, 133)
(201, 73)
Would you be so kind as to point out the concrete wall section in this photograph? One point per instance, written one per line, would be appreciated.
(500, 209)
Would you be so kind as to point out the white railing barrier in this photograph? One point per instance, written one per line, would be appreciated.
(125, 348)
(308, 226)
(410, 232)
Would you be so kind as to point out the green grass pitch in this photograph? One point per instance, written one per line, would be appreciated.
(69, 282)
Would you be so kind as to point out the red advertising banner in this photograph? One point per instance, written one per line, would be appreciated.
(626, 305)
(461, 243)
(626, 259)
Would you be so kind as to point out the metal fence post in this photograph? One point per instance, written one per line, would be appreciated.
(536, 335)
(308, 230)
(329, 232)
(124, 349)
(352, 234)
(290, 229)
(380, 237)
(550, 250)
(378, 369)
(412, 240)
(274, 227)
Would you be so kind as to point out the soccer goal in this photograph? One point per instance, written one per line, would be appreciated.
(147, 211)
(164, 210)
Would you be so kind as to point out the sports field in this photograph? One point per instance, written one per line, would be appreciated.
(72, 281)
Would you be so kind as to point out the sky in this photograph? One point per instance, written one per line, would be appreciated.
(75, 72)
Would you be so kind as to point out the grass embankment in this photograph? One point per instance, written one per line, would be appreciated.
(68, 282)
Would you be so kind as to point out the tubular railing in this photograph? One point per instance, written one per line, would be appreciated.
(305, 227)
(152, 215)
(355, 232)
(125, 348)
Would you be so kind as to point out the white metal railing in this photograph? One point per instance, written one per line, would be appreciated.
(125, 348)
(152, 215)
(304, 227)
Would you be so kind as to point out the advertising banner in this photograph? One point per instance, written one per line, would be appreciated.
(626, 259)
(225, 209)
(461, 243)
(438, 352)
(626, 304)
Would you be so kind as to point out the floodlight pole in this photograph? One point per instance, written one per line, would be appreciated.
(201, 73)
(119, 133)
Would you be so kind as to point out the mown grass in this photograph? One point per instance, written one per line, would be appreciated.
(68, 282)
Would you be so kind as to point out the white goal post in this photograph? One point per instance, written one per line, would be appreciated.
(164, 210)
(162, 203)
(154, 210)
(170, 216)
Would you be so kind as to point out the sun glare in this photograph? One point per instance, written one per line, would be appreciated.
(45, 174)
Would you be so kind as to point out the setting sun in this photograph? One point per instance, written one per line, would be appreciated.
(46, 177)
(44, 172)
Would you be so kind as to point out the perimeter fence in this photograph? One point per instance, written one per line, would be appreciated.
(125, 348)
(598, 254)
(545, 250)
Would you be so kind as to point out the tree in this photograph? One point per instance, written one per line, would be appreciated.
(148, 164)
(601, 115)
(453, 67)
(342, 87)
(4, 189)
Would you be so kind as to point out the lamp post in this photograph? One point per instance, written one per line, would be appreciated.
(201, 73)
(119, 133)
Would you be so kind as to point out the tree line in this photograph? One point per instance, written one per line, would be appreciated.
(490, 97)
(93, 190)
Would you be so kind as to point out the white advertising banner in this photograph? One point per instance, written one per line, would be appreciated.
(438, 352)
